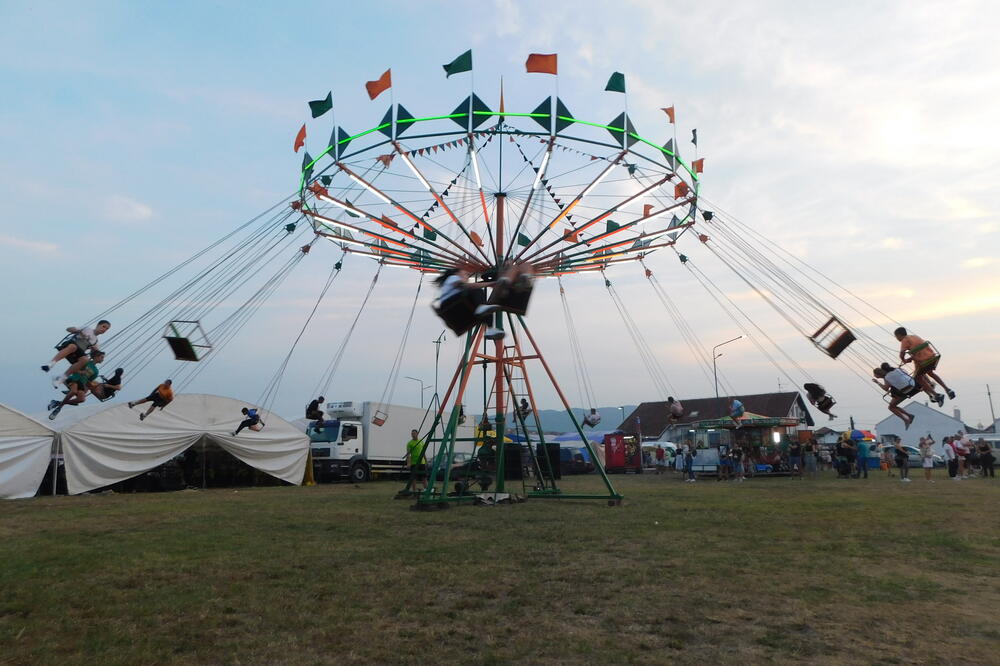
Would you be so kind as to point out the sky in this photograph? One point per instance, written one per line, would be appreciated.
(860, 137)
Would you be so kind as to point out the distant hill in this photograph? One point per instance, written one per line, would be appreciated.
(557, 420)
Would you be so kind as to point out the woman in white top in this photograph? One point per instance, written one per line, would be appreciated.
(900, 386)
(927, 456)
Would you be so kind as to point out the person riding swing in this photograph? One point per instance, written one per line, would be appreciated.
(252, 421)
(74, 348)
(314, 413)
(900, 387)
(78, 385)
(820, 399)
(925, 359)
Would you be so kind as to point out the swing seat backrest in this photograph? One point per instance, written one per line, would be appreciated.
(516, 299)
(182, 348)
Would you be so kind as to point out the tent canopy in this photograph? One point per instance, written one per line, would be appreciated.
(25, 451)
(114, 445)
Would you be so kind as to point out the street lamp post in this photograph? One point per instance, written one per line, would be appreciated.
(715, 370)
(423, 387)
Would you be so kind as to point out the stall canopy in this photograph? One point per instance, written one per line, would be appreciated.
(25, 451)
(115, 445)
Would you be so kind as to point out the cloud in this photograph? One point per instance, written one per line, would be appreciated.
(977, 262)
(29, 245)
(891, 243)
(120, 208)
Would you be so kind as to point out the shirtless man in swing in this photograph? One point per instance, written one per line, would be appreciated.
(925, 359)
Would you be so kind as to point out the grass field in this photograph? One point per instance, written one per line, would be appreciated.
(771, 570)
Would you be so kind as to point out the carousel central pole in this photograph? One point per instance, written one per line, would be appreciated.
(499, 367)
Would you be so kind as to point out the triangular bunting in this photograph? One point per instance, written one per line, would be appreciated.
(622, 122)
(523, 240)
(612, 225)
(670, 154)
(563, 117)
(307, 169)
(385, 127)
(404, 120)
(461, 113)
(343, 140)
(546, 122)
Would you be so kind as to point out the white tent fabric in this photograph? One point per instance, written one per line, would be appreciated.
(114, 445)
(25, 451)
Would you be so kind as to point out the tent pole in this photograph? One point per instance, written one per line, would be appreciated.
(55, 465)
(203, 482)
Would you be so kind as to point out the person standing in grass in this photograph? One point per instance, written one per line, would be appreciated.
(902, 461)
(950, 458)
(809, 456)
(927, 457)
(795, 458)
(661, 459)
(986, 458)
(416, 460)
(887, 460)
(961, 444)
(689, 453)
(736, 454)
(863, 447)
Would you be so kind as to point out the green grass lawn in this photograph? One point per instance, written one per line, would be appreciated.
(774, 570)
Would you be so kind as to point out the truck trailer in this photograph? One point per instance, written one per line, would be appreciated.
(352, 445)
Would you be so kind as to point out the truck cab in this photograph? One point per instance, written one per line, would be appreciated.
(338, 446)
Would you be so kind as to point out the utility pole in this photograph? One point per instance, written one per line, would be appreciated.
(989, 396)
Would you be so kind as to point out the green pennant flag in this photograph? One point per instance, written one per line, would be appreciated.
(612, 225)
(326, 180)
(523, 240)
(321, 106)
(616, 83)
(462, 63)
(430, 235)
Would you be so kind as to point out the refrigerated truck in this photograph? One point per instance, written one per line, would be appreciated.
(351, 446)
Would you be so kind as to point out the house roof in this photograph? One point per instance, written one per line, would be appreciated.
(824, 431)
(653, 416)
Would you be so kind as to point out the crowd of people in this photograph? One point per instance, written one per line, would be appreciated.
(851, 458)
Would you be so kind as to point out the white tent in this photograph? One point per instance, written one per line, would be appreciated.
(115, 445)
(25, 451)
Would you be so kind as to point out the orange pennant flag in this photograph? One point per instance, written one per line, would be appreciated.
(647, 209)
(475, 238)
(699, 165)
(571, 235)
(387, 222)
(542, 63)
(300, 138)
(386, 159)
(680, 189)
(669, 110)
(379, 85)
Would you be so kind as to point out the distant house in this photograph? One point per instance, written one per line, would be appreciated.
(776, 410)
(826, 436)
(926, 420)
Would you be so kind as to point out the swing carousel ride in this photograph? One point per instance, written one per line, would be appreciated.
(502, 197)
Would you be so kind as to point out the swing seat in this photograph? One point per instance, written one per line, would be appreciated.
(187, 340)
(459, 312)
(256, 427)
(833, 337)
(516, 299)
(379, 418)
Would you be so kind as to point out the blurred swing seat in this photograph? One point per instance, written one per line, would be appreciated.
(379, 418)
(187, 340)
(833, 337)
(459, 312)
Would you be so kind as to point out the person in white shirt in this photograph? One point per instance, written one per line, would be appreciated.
(927, 456)
(75, 347)
(900, 386)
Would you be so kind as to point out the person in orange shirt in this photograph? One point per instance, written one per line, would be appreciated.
(161, 396)
(924, 357)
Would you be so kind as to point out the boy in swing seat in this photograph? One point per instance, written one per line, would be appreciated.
(924, 357)
(251, 421)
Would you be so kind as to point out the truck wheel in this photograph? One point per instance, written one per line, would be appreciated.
(359, 473)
